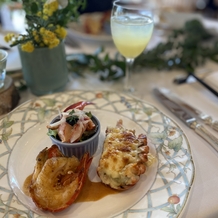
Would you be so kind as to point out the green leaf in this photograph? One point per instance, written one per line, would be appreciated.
(7, 124)
(72, 119)
(41, 114)
(34, 8)
(176, 144)
(178, 208)
(171, 215)
(106, 57)
(72, 112)
(172, 167)
(148, 111)
(49, 102)
(52, 133)
(89, 114)
(5, 136)
(158, 137)
(168, 209)
(107, 68)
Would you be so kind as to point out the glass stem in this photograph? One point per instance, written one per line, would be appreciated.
(127, 85)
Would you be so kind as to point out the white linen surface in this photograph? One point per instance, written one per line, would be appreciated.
(212, 79)
(203, 197)
(204, 193)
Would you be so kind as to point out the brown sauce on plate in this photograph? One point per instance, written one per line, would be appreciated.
(94, 191)
(91, 191)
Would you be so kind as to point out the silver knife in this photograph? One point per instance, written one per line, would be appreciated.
(187, 118)
(207, 119)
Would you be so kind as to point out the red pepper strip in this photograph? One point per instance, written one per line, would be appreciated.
(79, 105)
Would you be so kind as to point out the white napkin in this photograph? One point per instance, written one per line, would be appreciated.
(13, 60)
(6, 20)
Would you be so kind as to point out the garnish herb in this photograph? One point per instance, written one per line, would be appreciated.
(53, 133)
(72, 119)
(89, 114)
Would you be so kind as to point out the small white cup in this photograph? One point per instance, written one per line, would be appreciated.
(3, 60)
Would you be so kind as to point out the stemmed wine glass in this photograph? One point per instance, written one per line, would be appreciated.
(131, 28)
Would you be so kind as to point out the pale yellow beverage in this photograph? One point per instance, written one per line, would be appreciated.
(131, 34)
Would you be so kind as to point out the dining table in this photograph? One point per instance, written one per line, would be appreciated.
(187, 175)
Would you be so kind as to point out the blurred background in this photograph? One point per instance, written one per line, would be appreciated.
(12, 15)
(93, 27)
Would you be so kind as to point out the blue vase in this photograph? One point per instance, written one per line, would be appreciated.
(45, 70)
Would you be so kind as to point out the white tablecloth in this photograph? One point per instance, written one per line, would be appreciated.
(204, 193)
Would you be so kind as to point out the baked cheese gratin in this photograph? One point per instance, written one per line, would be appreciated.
(123, 158)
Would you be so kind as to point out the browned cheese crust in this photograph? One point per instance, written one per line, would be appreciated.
(123, 158)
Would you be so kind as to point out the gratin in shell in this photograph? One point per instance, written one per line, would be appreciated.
(123, 158)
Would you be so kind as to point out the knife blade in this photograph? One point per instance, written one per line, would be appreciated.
(207, 119)
(187, 118)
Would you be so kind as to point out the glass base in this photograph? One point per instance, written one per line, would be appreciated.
(2, 78)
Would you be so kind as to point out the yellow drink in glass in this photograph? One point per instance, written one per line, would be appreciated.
(131, 28)
(131, 34)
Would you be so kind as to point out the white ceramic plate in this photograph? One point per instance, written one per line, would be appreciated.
(23, 135)
(76, 31)
(35, 140)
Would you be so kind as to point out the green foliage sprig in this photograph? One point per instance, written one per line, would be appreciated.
(99, 62)
(185, 49)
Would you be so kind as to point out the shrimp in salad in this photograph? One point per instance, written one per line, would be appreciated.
(73, 123)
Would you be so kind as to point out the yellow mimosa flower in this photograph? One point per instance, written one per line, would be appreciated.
(34, 32)
(45, 41)
(41, 28)
(50, 7)
(54, 43)
(28, 47)
(9, 37)
(45, 17)
(39, 13)
(37, 38)
(45, 10)
(61, 32)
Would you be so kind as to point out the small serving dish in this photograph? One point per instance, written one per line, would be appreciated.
(78, 149)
